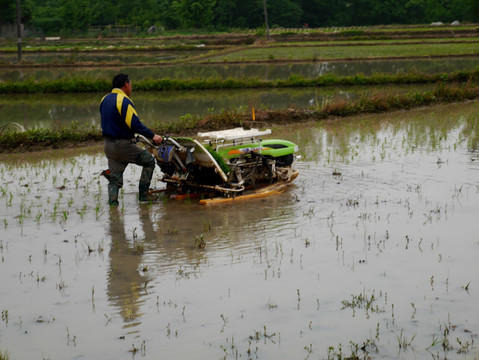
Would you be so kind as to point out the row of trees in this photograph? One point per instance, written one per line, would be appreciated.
(53, 16)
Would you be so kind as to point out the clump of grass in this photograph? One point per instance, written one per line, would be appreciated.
(403, 342)
(4, 355)
(200, 241)
(389, 102)
(363, 301)
(189, 124)
(79, 85)
(43, 137)
(183, 124)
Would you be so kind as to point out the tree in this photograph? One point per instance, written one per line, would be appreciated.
(416, 11)
(195, 13)
(285, 13)
(472, 10)
(47, 16)
(104, 13)
(225, 9)
(388, 12)
(8, 11)
(76, 15)
(249, 13)
(434, 11)
(317, 13)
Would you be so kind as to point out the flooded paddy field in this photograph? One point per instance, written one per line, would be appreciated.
(118, 57)
(261, 71)
(60, 110)
(373, 251)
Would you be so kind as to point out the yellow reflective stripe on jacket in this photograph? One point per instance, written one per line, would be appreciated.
(130, 111)
(119, 102)
(129, 115)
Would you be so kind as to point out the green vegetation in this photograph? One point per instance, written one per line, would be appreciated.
(41, 137)
(79, 85)
(126, 17)
(242, 48)
(190, 124)
(357, 51)
(4, 356)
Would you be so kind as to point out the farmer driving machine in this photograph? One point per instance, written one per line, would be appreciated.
(227, 165)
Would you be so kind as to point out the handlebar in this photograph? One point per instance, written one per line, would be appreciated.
(166, 139)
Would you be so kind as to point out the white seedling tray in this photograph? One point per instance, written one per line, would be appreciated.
(233, 134)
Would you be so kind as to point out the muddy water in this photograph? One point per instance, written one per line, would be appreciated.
(375, 247)
(260, 71)
(60, 110)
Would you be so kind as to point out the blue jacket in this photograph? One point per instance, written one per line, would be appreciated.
(119, 118)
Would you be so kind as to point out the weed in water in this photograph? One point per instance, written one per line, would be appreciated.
(139, 248)
(141, 348)
(362, 301)
(403, 342)
(271, 304)
(4, 355)
(71, 339)
(5, 316)
(200, 241)
(465, 346)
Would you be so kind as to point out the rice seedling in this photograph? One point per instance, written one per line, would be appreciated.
(309, 350)
(71, 339)
(141, 348)
(363, 301)
(4, 355)
(403, 342)
(465, 346)
(5, 316)
(200, 241)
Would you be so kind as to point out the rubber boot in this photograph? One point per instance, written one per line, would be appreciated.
(144, 185)
(114, 185)
(113, 192)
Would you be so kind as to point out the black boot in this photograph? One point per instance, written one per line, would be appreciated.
(143, 187)
(115, 182)
(113, 192)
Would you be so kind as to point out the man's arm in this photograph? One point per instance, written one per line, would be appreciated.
(132, 119)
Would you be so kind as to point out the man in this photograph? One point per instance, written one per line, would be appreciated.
(120, 123)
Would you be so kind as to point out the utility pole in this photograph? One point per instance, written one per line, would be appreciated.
(265, 19)
(19, 32)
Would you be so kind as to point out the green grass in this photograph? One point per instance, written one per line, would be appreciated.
(191, 124)
(406, 41)
(4, 355)
(42, 137)
(79, 85)
(349, 52)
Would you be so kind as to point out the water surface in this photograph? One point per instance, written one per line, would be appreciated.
(260, 71)
(374, 247)
(60, 110)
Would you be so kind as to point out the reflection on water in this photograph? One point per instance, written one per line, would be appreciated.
(59, 110)
(375, 244)
(125, 283)
(260, 71)
(160, 243)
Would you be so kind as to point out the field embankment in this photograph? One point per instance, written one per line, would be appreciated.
(293, 45)
(77, 134)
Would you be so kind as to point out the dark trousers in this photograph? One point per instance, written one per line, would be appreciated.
(120, 153)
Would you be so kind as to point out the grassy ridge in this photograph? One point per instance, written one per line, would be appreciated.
(356, 51)
(79, 85)
(191, 124)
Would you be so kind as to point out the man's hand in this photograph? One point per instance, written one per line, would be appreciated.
(157, 139)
